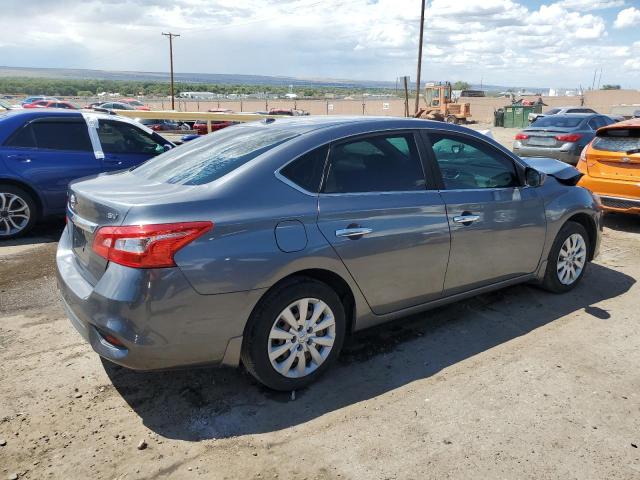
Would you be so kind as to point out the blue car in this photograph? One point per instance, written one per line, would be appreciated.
(42, 150)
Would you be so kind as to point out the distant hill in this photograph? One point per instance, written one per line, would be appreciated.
(212, 78)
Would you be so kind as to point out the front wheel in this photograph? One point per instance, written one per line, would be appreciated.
(567, 259)
(294, 334)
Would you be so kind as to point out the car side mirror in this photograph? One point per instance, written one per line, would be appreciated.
(534, 178)
(167, 147)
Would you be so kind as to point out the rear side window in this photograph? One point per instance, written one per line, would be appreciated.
(381, 163)
(52, 135)
(306, 171)
(213, 156)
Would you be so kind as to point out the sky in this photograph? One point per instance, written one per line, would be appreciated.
(505, 42)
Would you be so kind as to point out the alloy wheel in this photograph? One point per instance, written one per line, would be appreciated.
(301, 337)
(571, 259)
(14, 214)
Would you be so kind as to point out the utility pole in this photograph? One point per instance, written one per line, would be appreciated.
(419, 57)
(171, 35)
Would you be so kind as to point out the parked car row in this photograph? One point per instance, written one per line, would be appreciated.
(41, 151)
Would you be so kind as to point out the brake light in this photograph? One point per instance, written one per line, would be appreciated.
(570, 137)
(521, 136)
(146, 246)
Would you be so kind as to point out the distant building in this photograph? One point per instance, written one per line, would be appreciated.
(200, 95)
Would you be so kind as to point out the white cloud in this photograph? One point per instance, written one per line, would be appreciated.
(503, 41)
(589, 5)
(628, 17)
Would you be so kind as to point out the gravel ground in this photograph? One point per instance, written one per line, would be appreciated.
(514, 384)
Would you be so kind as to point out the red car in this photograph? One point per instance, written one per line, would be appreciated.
(50, 104)
(136, 104)
(200, 126)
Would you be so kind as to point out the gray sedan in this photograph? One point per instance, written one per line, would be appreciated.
(561, 136)
(268, 243)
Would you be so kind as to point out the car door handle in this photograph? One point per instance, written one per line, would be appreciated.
(353, 232)
(466, 218)
(20, 158)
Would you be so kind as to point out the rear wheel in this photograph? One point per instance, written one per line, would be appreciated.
(294, 335)
(567, 259)
(18, 212)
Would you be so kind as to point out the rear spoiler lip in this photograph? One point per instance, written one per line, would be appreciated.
(562, 172)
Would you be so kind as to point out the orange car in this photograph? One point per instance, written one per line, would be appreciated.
(611, 166)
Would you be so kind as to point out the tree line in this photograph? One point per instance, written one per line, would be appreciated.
(91, 87)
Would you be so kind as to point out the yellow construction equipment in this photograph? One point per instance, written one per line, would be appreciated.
(440, 105)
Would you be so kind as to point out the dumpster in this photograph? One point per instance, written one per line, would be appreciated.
(517, 116)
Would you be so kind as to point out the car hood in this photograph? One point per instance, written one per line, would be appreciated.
(563, 172)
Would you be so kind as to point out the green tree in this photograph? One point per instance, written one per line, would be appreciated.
(610, 87)
(460, 85)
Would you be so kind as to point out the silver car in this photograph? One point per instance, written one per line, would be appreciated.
(268, 243)
(561, 136)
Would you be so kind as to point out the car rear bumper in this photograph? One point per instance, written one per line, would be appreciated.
(156, 315)
(568, 153)
(616, 195)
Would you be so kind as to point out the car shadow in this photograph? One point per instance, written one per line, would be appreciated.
(210, 403)
(622, 222)
(46, 231)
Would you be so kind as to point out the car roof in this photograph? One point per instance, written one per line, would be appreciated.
(576, 115)
(632, 122)
(309, 123)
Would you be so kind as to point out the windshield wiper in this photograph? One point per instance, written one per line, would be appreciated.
(632, 151)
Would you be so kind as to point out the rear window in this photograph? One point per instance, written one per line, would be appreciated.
(558, 121)
(618, 140)
(210, 158)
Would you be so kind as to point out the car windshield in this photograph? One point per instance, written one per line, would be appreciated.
(209, 159)
(558, 121)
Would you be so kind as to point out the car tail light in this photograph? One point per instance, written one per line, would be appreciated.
(147, 246)
(521, 136)
(570, 137)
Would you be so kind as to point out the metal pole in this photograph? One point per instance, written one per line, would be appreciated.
(406, 97)
(419, 57)
(171, 35)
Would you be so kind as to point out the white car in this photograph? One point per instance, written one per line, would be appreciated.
(559, 110)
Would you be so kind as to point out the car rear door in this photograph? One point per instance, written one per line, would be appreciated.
(388, 228)
(498, 226)
(124, 145)
(49, 152)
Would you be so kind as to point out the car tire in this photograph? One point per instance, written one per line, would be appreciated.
(15, 203)
(568, 259)
(282, 360)
(451, 119)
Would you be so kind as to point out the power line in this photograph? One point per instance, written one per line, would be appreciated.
(171, 35)
(419, 57)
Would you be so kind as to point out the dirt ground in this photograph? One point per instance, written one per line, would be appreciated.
(514, 384)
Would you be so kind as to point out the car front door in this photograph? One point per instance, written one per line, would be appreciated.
(124, 145)
(387, 226)
(49, 153)
(497, 225)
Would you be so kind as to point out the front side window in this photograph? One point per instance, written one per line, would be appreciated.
(469, 164)
(381, 163)
(212, 156)
(120, 137)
